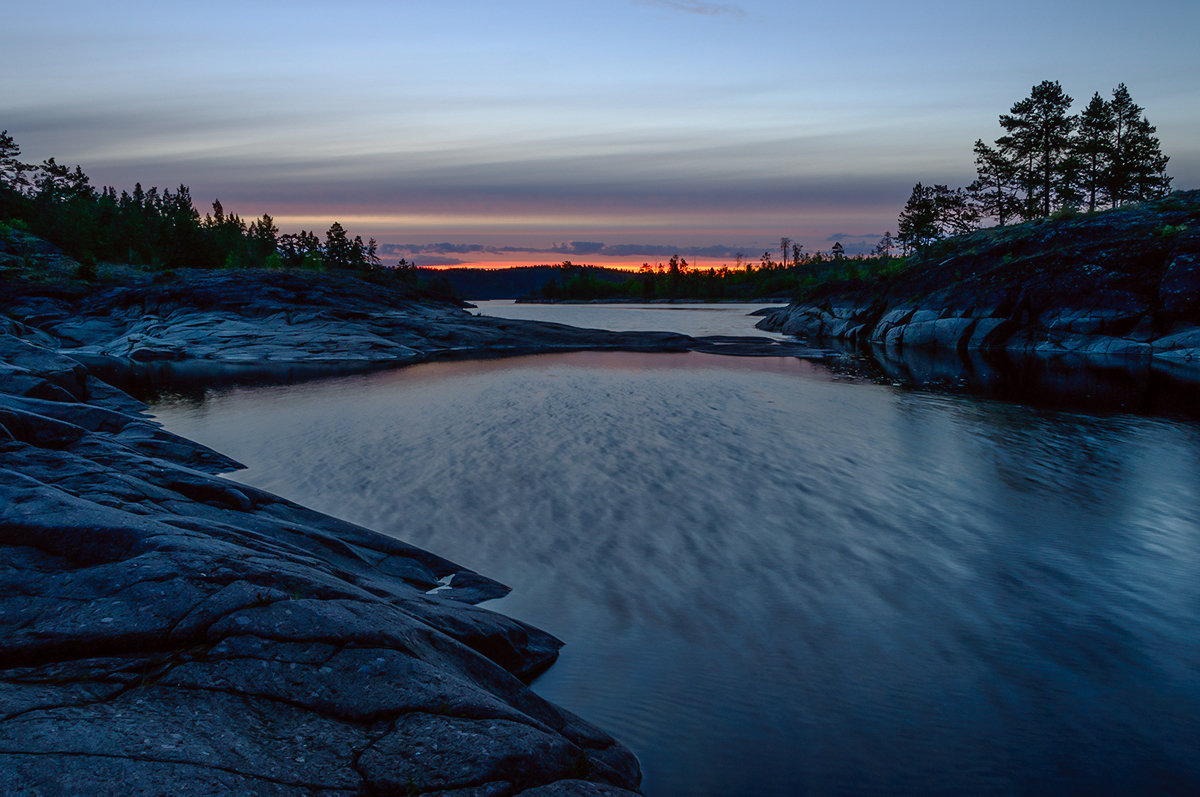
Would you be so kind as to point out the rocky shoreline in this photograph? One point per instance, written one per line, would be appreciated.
(1124, 283)
(1083, 331)
(296, 319)
(165, 629)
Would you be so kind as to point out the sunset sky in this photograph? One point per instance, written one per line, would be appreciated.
(485, 131)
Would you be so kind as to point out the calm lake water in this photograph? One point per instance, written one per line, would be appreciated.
(690, 319)
(772, 579)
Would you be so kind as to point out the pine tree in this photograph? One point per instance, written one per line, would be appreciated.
(1093, 149)
(917, 224)
(994, 189)
(1145, 165)
(954, 213)
(339, 249)
(1138, 166)
(13, 182)
(885, 246)
(12, 171)
(263, 239)
(1039, 137)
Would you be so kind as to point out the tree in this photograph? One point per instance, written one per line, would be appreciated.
(994, 189)
(1093, 148)
(1039, 137)
(935, 212)
(785, 248)
(885, 246)
(954, 213)
(917, 225)
(1138, 165)
(838, 251)
(338, 249)
(1145, 165)
(1126, 113)
(12, 171)
(264, 239)
(52, 181)
(358, 254)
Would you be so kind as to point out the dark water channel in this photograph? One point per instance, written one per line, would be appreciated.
(773, 579)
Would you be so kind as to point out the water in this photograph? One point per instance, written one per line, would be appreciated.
(772, 579)
(714, 318)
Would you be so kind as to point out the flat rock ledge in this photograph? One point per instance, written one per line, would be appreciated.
(166, 631)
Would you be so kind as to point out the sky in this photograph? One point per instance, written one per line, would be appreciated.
(607, 131)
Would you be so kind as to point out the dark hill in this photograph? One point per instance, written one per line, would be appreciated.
(512, 283)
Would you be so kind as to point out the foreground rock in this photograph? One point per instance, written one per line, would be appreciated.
(1123, 283)
(166, 631)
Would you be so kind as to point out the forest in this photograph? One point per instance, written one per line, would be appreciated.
(1048, 162)
(768, 278)
(156, 229)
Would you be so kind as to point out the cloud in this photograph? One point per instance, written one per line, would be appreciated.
(580, 248)
(845, 236)
(435, 260)
(694, 7)
(447, 248)
(654, 250)
(427, 252)
(442, 248)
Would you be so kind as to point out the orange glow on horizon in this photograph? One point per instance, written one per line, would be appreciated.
(492, 265)
(625, 264)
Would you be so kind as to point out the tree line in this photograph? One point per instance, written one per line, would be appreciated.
(155, 228)
(795, 271)
(1047, 161)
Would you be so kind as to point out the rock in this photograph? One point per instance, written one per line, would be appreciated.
(941, 333)
(991, 333)
(1183, 346)
(166, 629)
(1179, 291)
(1111, 283)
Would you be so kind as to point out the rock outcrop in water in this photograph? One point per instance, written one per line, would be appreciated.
(258, 318)
(1124, 282)
(167, 631)
(255, 317)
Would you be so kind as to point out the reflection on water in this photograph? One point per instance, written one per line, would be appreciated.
(1068, 381)
(772, 579)
(697, 320)
(1077, 382)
